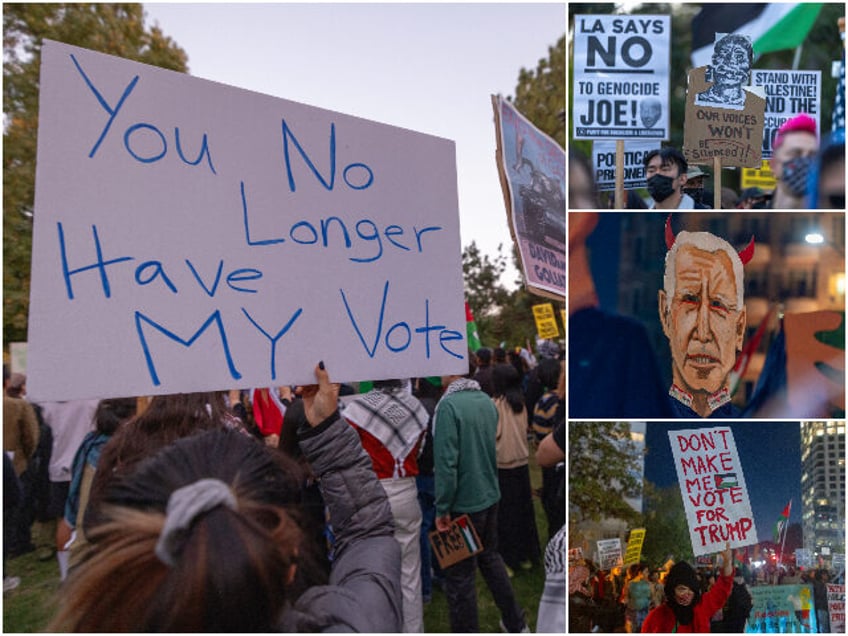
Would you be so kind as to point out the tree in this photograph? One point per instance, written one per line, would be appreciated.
(502, 315)
(483, 289)
(116, 29)
(602, 470)
(666, 528)
(540, 94)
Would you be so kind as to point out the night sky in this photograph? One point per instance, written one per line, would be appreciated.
(770, 453)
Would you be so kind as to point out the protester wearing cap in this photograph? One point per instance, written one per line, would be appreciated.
(665, 170)
(795, 145)
(686, 610)
(752, 199)
(694, 187)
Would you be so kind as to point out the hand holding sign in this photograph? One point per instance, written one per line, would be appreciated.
(727, 560)
(320, 400)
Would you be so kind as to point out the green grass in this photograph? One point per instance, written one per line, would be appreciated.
(30, 607)
(527, 584)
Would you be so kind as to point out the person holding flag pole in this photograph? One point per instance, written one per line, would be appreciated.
(780, 529)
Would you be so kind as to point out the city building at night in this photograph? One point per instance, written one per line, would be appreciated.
(823, 488)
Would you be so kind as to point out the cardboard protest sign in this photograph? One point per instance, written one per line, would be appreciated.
(192, 236)
(787, 93)
(458, 543)
(633, 553)
(713, 487)
(836, 607)
(603, 162)
(781, 609)
(609, 553)
(733, 136)
(546, 324)
(621, 76)
(531, 166)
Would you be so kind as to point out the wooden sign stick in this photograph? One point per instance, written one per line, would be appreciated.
(716, 183)
(619, 174)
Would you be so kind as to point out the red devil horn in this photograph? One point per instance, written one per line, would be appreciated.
(748, 253)
(669, 234)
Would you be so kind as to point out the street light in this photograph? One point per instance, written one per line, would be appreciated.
(814, 238)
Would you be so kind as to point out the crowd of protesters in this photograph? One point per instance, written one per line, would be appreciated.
(808, 175)
(620, 599)
(313, 516)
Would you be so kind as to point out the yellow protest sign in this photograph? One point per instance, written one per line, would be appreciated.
(761, 177)
(633, 552)
(546, 324)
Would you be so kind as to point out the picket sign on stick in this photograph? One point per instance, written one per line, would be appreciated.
(619, 174)
(712, 483)
(192, 236)
(716, 183)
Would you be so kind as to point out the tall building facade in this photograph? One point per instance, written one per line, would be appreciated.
(823, 487)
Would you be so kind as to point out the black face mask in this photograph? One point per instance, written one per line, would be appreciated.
(697, 194)
(660, 187)
(795, 172)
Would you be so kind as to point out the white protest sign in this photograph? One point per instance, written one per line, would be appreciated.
(192, 236)
(603, 163)
(803, 558)
(836, 607)
(713, 487)
(621, 76)
(788, 93)
(609, 553)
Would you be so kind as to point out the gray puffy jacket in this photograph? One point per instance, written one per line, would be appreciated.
(364, 593)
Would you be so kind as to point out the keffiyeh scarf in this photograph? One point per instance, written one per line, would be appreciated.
(395, 418)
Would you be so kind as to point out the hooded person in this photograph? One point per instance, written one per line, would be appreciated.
(685, 609)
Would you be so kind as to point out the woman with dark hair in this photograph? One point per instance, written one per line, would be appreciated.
(204, 537)
(518, 538)
(166, 419)
(686, 610)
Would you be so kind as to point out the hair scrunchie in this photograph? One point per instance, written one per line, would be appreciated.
(184, 505)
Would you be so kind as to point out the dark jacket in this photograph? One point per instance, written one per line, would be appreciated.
(364, 593)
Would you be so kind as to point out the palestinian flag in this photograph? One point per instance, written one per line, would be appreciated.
(268, 411)
(471, 329)
(727, 480)
(747, 353)
(771, 27)
(780, 526)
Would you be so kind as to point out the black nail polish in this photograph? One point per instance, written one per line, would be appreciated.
(321, 365)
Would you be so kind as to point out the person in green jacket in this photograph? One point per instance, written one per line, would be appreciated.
(466, 472)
